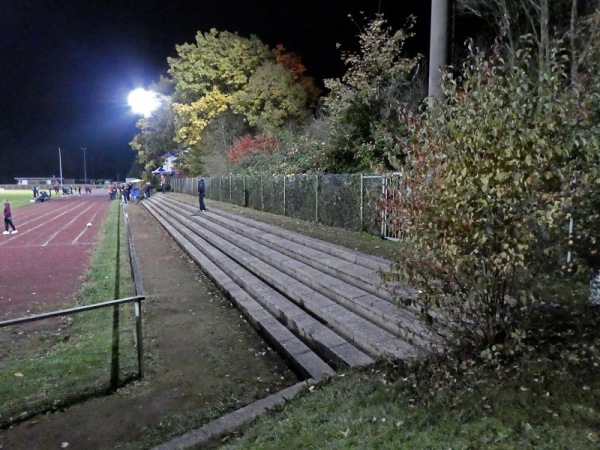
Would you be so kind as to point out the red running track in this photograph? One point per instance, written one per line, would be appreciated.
(42, 265)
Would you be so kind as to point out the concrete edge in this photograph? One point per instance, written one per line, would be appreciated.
(234, 420)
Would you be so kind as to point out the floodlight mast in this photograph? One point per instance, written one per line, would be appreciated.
(438, 42)
(84, 165)
(61, 177)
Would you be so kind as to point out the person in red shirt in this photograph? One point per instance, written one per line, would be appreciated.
(8, 219)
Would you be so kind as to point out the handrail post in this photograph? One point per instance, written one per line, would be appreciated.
(138, 335)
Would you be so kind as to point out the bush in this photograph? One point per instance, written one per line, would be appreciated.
(490, 180)
(248, 146)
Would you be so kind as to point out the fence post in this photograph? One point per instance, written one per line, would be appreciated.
(262, 194)
(383, 212)
(362, 206)
(317, 198)
(284, 199)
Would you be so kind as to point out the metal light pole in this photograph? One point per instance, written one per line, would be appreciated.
(84, 166)
(438, 42)
(61, 177)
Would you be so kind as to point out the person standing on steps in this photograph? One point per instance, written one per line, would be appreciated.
(8, 219)
(201, 193)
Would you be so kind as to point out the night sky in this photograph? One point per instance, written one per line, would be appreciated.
(66, 67)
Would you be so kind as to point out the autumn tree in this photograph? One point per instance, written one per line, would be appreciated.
(217, 139)
(223, 72)
(248, 147)
(271, 98)
(219, 60)
(575, 23)
(293, 64)
(362, 105)
(206, 75)
(543, 20)
(156, 132)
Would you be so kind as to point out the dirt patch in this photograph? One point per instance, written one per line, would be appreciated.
(202, 360)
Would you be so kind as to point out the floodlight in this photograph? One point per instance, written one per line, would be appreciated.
(143, 102)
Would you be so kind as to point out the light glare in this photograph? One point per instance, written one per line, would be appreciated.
(143, 102)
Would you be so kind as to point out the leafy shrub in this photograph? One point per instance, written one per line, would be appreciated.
(490, 180)
(249, 146)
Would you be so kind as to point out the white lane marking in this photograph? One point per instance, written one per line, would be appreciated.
(29, 230)
(75, 241)
(62, 228)
(66, 244)
(36, 218)
(4, 241)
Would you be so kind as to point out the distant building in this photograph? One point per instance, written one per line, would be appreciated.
(169, 164)
(43, 181)
(168, 167)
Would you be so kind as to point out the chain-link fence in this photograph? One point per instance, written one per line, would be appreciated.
(348, 201)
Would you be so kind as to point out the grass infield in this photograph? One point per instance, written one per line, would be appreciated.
(16, 197)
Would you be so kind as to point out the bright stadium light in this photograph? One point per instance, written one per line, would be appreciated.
(143, 102)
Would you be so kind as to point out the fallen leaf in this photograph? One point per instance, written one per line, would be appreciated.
(18, 374)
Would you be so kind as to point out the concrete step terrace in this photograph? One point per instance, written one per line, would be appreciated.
(321, 305)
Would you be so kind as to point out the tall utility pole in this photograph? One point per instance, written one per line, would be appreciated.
(438, 44)
(60, 166)
(84, 166)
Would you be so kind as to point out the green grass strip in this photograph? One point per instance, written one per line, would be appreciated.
(536, 403)
(64, 360)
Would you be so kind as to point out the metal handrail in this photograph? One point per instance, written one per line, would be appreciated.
(67, 312)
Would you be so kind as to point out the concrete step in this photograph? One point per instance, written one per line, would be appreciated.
(315, 255)
(333, 283)
(356, 268)
(300, 282)
(306, 362)
(361, 332)
(318, 335)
